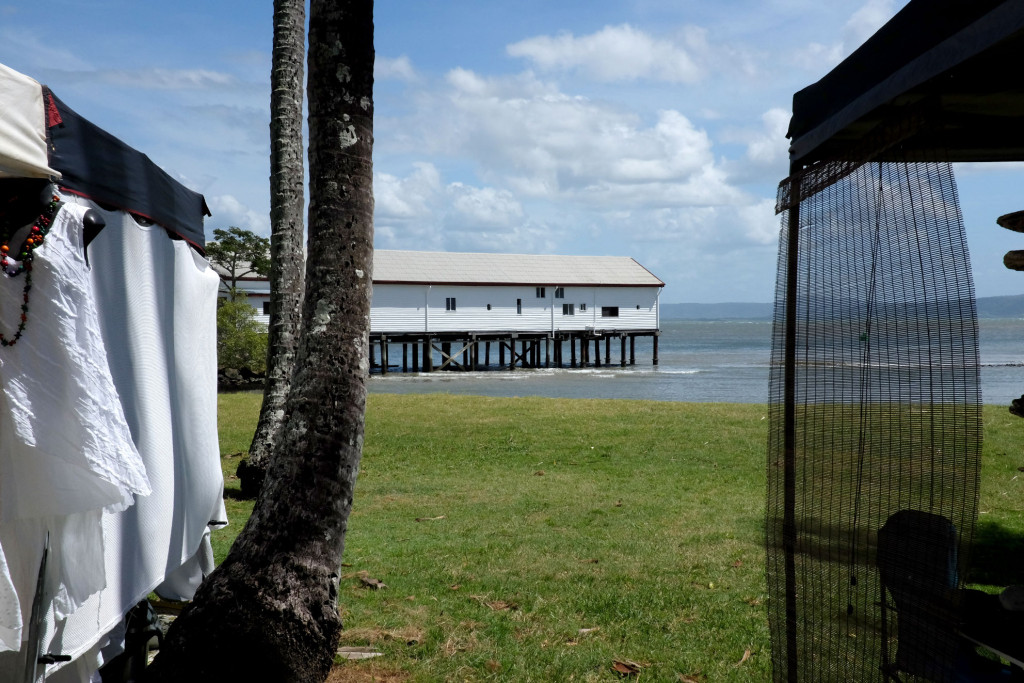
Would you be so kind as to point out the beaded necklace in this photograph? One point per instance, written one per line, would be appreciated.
(12, 268)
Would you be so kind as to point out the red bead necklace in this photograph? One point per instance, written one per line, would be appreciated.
(23, 264)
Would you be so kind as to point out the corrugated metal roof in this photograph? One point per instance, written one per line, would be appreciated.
(436, 267)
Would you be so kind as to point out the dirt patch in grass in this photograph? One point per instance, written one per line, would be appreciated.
(365, 672)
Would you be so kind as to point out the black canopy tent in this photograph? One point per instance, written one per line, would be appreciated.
(875, 398)
(95, 164)
(952, 62)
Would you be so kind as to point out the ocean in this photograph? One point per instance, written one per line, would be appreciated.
(698, 361)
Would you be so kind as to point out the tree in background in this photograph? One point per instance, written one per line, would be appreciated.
(270, 611)
(241, 339)
(286, 263)
(238, 252)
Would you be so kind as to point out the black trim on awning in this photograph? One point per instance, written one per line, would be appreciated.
(95, 164)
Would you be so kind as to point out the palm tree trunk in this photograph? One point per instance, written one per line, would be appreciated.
(286, 206)
(269, 612)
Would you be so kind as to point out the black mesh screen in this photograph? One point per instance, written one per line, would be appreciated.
(878, 413)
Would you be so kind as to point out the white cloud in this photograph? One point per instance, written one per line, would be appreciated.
(485, 207)
(525, 135)
(412, 197)
(615, 53)
(861, 25)
(769, 147)
(864, 22)
(398, 68)
(166, 79)
(229, 211)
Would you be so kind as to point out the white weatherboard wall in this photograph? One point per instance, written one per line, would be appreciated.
(398, 308)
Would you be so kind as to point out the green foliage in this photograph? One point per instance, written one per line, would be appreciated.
(241, 340)
(239, 252)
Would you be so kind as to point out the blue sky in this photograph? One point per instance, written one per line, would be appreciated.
(644, 128)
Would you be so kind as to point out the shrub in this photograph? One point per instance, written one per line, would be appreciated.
(241, 339)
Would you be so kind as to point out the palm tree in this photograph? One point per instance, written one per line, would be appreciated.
(286, 206)
(269, 612)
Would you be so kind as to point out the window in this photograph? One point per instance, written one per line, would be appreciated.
(559, 292)
(541, 292)
(567, 309)
(266, 308)
(609, 311)
(449, 303)
(519, 306)
(583, 307)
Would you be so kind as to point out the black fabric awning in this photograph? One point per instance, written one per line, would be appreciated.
(95, 164)
(953, 64)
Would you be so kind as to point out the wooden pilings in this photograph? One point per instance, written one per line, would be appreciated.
(462, 351)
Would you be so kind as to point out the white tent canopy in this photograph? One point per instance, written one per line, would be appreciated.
(22, 127)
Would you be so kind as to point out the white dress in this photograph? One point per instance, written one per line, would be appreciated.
(66, 451)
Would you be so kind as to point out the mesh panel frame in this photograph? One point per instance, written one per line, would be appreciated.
(884, 405)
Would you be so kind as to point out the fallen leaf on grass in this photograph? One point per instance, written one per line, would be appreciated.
(539, 473)
(624, 667)
(455, 586)
(370, 582)
(590, 561)
(357, 652)
(496, 605)
(430, 519)
(746, 656)
(692, 678)
(737, 563)
(493, 665)
(618, 503)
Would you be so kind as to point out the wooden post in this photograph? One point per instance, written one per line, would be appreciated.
(383, 355)
(373, 357)
(622, 350)
(512, 354)
(487, 354)
(428, 356)
(547, 352)
(607, 350)
(558, 352)
(522, 357)
(405, 357)
(597, 352)
(501, 353)
(415, 356)
(632, 349)
(572, 349)
(655, 349)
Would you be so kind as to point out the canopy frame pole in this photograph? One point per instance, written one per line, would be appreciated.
(789, 425)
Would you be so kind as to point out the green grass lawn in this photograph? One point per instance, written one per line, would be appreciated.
(543, 539)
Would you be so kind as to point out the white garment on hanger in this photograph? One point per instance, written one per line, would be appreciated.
(66, 452)
(157, 299)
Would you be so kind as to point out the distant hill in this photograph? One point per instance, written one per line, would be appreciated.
(988, 307)
(1001, 306)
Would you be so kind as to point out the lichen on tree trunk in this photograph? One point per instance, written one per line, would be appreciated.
(269, 612)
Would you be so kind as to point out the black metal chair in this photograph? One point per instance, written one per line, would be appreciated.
(917, 564)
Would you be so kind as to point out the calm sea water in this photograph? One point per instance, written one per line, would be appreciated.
(698, 361)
